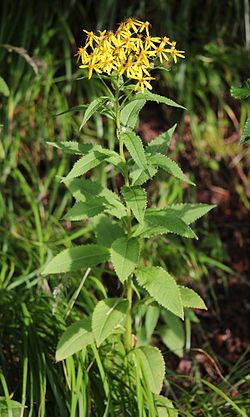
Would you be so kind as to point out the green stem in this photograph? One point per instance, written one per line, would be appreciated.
(129, 290)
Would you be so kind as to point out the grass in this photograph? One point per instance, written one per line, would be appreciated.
(42, 78)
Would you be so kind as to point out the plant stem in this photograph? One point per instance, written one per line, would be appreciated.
(129, 291)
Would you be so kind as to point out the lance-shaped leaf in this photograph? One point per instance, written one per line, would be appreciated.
(91, 160)
(162, 287)
(107, 316)
(136, 199)
(84, 164)
(160, 221)
(189, 213)
(161, 143)
(82, 210)
(135, 147)
(139, 175)
(92, 108)
(172, 334)
(170, 166)
(74, 339)
(85, 190)
(191, 299)
(153, 366)
(148, 96)
(124, 256)
(73, 147)
(130, 112)
(77, 258)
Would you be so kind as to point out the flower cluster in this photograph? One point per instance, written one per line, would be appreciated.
(129, 51)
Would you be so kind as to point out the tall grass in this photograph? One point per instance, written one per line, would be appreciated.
(37, 41)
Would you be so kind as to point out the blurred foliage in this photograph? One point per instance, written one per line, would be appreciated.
(38, 70)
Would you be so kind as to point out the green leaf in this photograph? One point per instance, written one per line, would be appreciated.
(148, 96)
(151, 320)
(74, 339)
(85, 164)
(139, 176)
(191, 299)
(189, 213)
(108, 315)
(241, 92)
(124, 256)
(83, 210)
(77, 258)
(4, 89)
(85, 190)
(162, 287)
(135, 147)
(246, 132)
(169, 166)
(73, 147)
(91, 160)
(161, 143)
(172, 334)
(136, 199)
(160, 221)
(107, 231)
(165, 407)
(130, 112)
(93, 107)
(73, 109)
(153, 366)
(10, 408)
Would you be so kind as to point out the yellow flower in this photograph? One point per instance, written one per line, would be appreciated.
(130, 51)
(143, 82)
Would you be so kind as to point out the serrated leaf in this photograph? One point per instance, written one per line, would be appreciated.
(135, 147)
(170, 166)
(85, 164)
(153, 366)
(85, 190)
(130, 112)
(91, 160)
(191, 299)
(160, 221)
(172, 334)
(76, 258)
(241, 92)
(136, 199)
(73, 147)
(92, 108)
(4, 89)
(162, 287)
(107, 231)
(139, 176)
(148, 96)
(74, 339)
(83, 210)
(107, 315)
(124, 256)
(189, 213)
(246, 132)
(161, 143)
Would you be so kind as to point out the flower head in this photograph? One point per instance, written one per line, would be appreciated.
(129, 51)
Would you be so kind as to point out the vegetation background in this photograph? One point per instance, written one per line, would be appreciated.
(38, 41)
